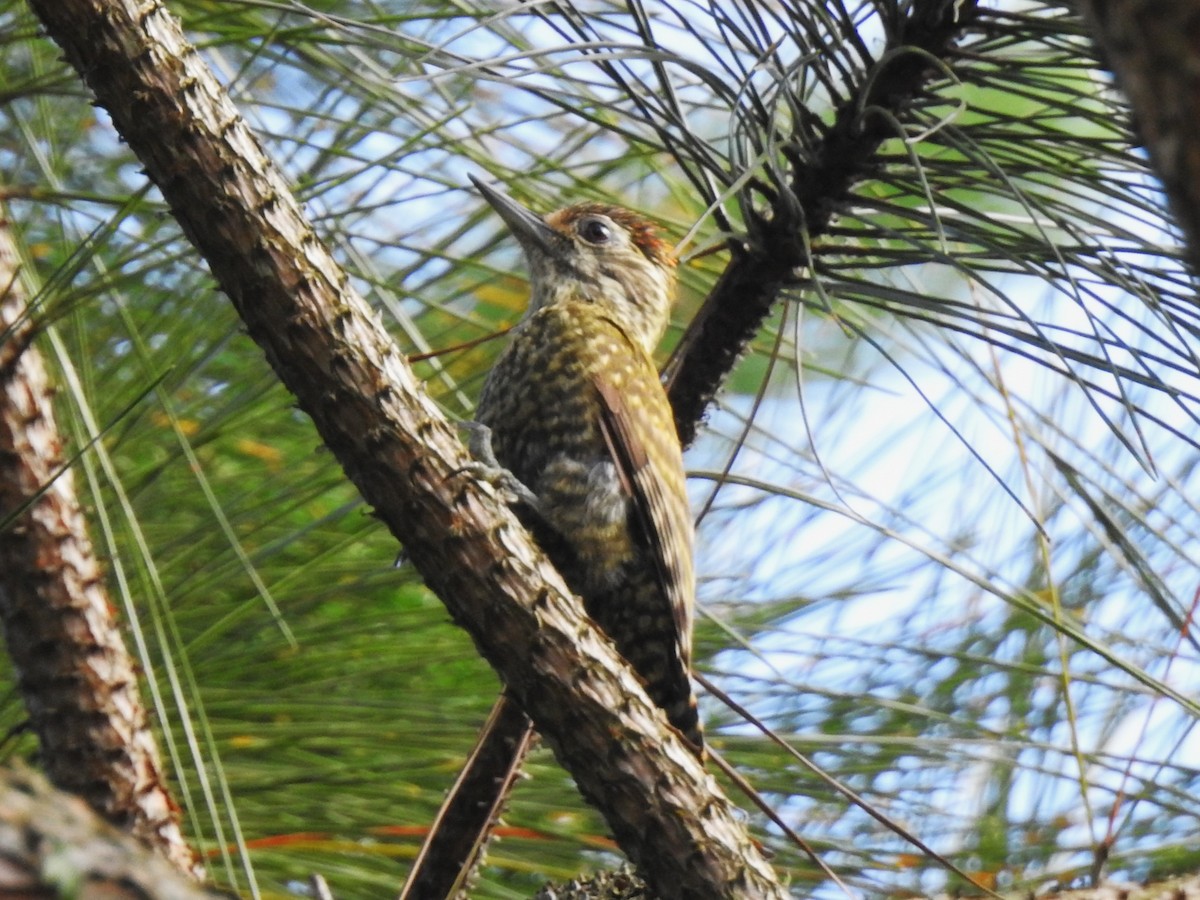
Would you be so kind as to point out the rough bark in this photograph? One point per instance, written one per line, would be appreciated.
(74, 673)
(52, 845)
(1153, 47)
(330, 350)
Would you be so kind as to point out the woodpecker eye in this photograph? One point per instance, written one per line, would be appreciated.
(595, 231)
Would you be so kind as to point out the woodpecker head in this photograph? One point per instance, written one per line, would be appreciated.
(595, 253)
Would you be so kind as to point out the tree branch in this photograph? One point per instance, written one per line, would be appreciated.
(803, 205)
(52, 845)
(75, 675)
(1152, 48)
(330, 350)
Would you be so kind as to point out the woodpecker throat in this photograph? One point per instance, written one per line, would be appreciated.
(578, 415)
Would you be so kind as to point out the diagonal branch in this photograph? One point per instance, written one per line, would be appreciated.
(74, 672)
(330, 350)
(803, 204)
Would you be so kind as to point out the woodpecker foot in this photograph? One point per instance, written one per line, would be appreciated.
(487, 468)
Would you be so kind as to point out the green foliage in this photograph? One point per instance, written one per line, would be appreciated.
(946, 537)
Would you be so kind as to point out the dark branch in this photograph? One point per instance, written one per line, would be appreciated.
(1151, 48)
(802, 208)
(329, 348)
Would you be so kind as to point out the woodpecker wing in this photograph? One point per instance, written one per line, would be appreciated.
(662, 514)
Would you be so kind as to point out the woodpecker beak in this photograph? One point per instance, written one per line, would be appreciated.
(528, 228)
